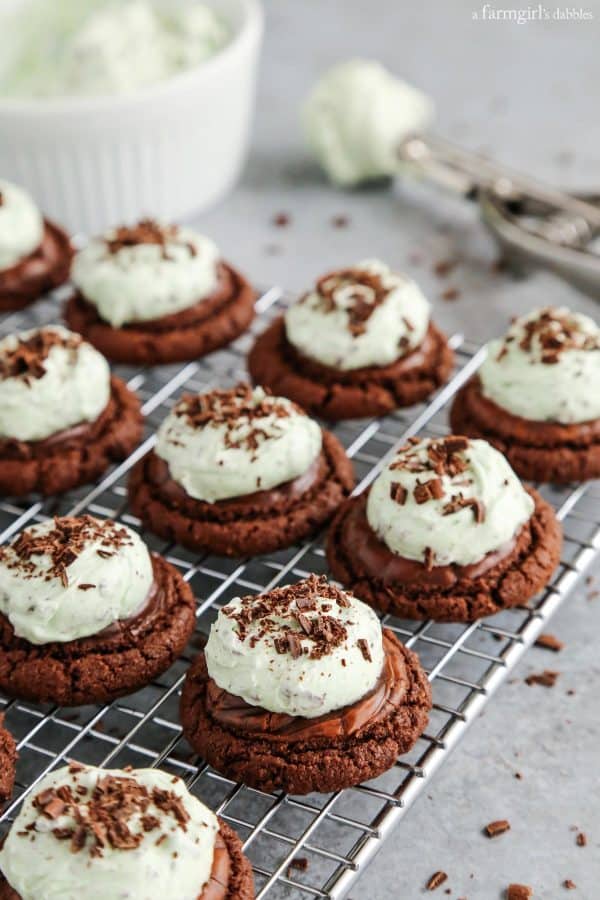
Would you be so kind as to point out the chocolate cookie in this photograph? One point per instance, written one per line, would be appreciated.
(120, 660)
(453, 593)
(537, 451)
(243, 526)
(8, 759)
(75, 456)
(279, 752)
(44, 269)
(335, 394)
(212, 323)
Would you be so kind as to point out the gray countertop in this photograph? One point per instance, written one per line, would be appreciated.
(529, 94)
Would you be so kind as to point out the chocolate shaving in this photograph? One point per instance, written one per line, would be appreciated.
(233, 407)
(547, 678)
(147, 231)
(519, 892)
(281, 616)
(26, 359)
(428, 558)
(555, 332)
(363, 646)
(103, 814)
(549, 642)
(459, 502)
(398, 493)
(363, 292)
(63, 543)
(428, 490)
(494, 829)
(437, 879)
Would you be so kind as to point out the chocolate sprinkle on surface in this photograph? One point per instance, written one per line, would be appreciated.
(437, 879)
(549, 642)
(547, 678)
(494, 829)
(519, 892)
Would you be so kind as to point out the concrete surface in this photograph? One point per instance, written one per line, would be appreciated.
(529, 94)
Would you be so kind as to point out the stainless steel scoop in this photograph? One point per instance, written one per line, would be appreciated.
(536, 225)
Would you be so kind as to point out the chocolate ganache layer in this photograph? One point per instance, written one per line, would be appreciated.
(41, 271)
(235, 714)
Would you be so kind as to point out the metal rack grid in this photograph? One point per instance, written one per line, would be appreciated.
(339, 833)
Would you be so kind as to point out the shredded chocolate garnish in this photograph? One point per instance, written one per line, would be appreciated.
(398, 493)
(240, 410)
(266, 617)
(363, 646)
(103, 814)
(428, 490)
(554, 332)
(429, 558)
(363, 291)
(26, 359)
(459, 502)
(63, 544)
(147, 231)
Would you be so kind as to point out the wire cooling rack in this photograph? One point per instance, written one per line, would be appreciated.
(338, 834)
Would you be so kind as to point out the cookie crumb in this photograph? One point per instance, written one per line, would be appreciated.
(444, 267)
(281, 220)
(437, 879)
(549, 642)
(547, 678)
(518, 892)
(450, 294)
(493, 829)
(340, 221)
(569, 885)
(300, 863)
(581, 839)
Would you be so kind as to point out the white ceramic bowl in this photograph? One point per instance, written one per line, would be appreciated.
(167, 151)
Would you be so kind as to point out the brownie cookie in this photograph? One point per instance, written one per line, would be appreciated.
(35, 254)
(238, 473)
(8, 759)
(299, 689)
(143, 835)
(63, 419)
(446, 532)
(360, 344)
(157, 294)
(87, 614)
(537, 397)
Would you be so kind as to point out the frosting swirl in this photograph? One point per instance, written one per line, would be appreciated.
(447, 501)
(96, 833)
(546, 368)
(68, 578)
(50, 380)
(302, 650)
(21, 225)
(357, 115)
(230, 443)
(363, 316)
(146, 272)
